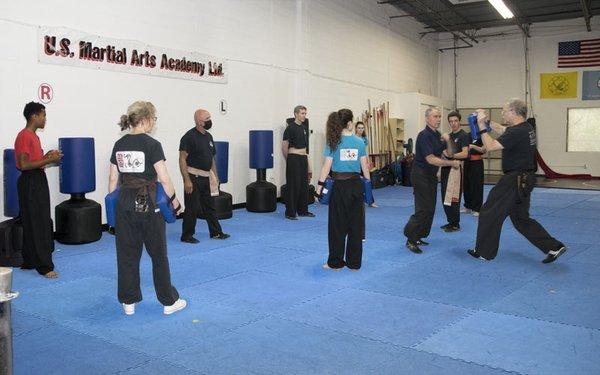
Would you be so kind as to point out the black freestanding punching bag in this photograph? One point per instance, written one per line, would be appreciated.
(223, 201)
(78, 220)
(261, 196)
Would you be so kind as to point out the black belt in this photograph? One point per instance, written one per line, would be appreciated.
(345, 175)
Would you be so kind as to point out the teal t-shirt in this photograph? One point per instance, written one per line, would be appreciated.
(346, 157)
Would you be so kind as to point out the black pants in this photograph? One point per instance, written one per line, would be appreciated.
(506, 199)
(34, 202)
(473, 184)
(425, 191)
(452, 211)
(296, 179)
(133, 231)
(346, 221)
(199, 201)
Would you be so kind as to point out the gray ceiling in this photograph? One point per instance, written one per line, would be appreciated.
(465, 17)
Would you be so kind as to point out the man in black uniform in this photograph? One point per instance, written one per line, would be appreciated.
(429, 147)
(197, 163)
(461, 152)
(511, 195)
(298, 170)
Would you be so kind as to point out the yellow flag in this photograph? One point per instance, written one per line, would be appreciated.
(558, 85)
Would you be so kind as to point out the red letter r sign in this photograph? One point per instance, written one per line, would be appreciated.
(45, 93)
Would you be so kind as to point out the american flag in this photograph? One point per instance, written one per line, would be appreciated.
(579, 53)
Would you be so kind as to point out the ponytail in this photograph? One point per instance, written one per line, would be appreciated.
(336, 122)
(136, 112)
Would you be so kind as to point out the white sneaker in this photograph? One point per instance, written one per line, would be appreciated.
(475, 213)
(180, 304)
(129, 308)
(465, 211)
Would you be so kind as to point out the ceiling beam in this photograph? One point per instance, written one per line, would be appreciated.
(500, 23)
(518, 20)
(430, 10)
(586, 6)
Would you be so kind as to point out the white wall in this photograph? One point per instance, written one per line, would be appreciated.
(326, 54)
(494, 70)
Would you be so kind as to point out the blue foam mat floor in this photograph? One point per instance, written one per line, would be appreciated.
(260, 302)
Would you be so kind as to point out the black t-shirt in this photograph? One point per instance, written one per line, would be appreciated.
(296, 135)
(137, 154)
(478, 142)
(461, 139)
(428, 143)
(200, 149)
(519, 148)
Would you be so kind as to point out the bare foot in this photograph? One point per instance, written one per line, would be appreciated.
(51, 275)
(326, 267)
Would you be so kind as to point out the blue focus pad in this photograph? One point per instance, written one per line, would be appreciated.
(475, 127)
(368, 190)
(110, 204)
(326, 191)
(162, 202)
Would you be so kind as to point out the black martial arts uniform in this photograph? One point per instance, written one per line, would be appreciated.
(346, 204)
(201, 152)
(424, 181)
(511, 196)
(473, 179)
(34, 204)
(138, 221)
(296, 171)
(461, 139)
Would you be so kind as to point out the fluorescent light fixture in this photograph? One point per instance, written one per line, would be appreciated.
(502, 8)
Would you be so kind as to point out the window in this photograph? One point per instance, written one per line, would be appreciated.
(583, 130)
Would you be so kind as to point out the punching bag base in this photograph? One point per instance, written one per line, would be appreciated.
(223, 206)
(78, 221)
(261, 196)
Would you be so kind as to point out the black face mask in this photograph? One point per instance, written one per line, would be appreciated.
(207, 124)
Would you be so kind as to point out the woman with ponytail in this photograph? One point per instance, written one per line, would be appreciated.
(345, 157)
(138, 161)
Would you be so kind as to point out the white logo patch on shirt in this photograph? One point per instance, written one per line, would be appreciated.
(131, 161)
(348, 154)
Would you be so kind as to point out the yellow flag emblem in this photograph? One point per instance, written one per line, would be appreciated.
(558, 85)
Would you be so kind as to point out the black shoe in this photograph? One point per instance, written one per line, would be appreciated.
(220, 236)
(412, 246)
(451, 228)
(445, 226)
(554, 254)
(189, 240)
(474, 254)
(291, 217)
(422, 243)
(308, 214)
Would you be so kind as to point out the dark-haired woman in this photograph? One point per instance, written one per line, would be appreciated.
(345, 157)
(139, 160)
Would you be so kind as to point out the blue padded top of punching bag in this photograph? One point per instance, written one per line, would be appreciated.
(77, 170)
(11, 175)
(222, 160)
(261, 149)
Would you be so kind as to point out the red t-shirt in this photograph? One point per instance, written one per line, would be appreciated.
(28, 142)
